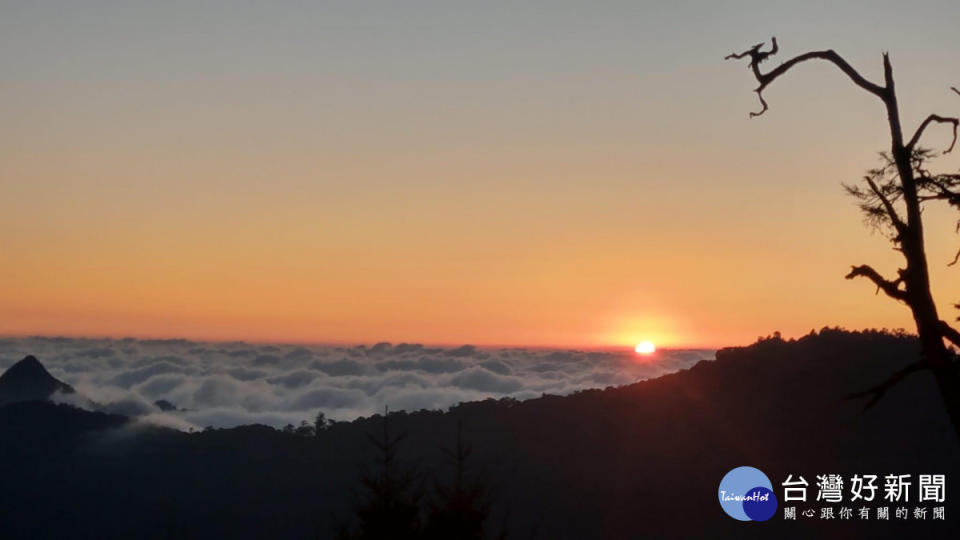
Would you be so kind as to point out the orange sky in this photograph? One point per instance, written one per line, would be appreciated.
(531, 178)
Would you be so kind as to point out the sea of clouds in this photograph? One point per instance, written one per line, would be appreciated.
(228, 384)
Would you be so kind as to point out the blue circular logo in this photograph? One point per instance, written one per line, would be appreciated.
(746, 494)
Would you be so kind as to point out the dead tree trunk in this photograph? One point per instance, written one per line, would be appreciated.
(912, 286)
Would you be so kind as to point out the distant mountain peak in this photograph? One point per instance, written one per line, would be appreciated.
(30, 359)
(28, 380)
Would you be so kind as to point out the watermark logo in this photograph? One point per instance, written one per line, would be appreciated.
(746, 494)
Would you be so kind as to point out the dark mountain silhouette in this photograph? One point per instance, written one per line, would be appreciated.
(639, 461)
(28, 380)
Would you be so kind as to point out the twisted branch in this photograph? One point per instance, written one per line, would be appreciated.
(757, 56)
(939, 119)
(891, 288)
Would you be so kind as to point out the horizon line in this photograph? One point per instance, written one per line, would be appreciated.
(445, 345)
(345, 343)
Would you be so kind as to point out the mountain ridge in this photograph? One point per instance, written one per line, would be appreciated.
(29, 380)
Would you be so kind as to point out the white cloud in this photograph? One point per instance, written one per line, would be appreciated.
(226, 384)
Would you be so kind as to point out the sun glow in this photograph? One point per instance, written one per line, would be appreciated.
(645, 347)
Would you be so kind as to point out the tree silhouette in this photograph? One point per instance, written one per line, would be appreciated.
(892, 197)
(391, 510)
(320, 423)
(460, 509)
(305, 429)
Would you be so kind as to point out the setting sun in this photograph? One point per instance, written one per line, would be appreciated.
(645, 347)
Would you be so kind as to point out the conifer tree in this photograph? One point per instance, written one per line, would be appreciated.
(391, 509)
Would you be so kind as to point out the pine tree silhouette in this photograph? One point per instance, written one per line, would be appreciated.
(391, 510)
(459, 511)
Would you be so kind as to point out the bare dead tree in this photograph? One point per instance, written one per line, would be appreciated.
(892, 197)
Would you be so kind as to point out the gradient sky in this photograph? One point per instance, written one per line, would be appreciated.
(556, 173)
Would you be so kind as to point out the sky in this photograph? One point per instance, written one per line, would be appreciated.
(578, 174)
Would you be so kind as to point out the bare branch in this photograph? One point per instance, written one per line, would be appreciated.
(891, 288)
(878, 391)
(950, 333)
(751, 51)
(757, 56)
(939, 119)
(762, 102)
(954, 88)
(831, 56)
(955, 259)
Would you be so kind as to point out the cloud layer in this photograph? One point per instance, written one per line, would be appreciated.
(227, 384)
